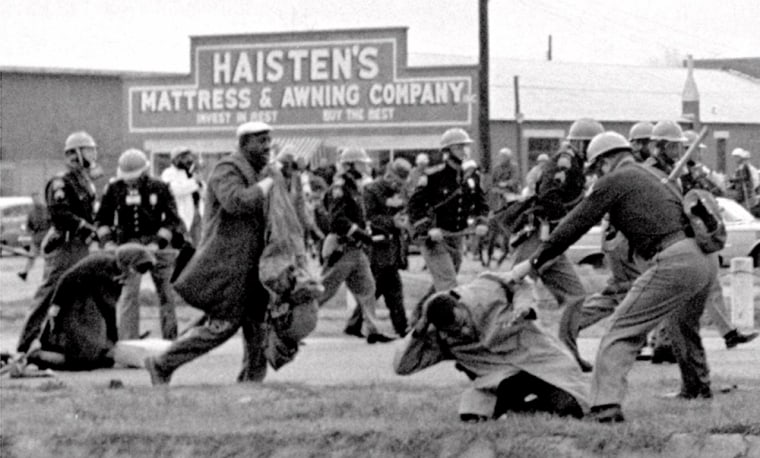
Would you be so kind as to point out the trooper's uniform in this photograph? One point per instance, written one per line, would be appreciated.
(344, 249)
(558, 190)
(677, 283)
(716, 307)
(142, 211)
(70, 199)
(388, 252)
(445, 200)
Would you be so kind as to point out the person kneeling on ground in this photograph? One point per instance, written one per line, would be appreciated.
(81, 325)
(515, 365)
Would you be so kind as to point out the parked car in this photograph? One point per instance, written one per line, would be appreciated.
(13, 214)
(743, 231)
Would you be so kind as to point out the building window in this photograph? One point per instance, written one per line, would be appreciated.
(542, 145)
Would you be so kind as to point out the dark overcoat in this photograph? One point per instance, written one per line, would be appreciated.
(382, 203)
(85, 328)
(222, 278)
(84, 331)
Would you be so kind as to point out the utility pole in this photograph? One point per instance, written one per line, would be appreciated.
(484, 121)
(549, 50)
(522, 156)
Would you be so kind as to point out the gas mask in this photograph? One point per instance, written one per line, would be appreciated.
(86, 158)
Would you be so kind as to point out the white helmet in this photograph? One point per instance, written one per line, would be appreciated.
(132, 164)
(455, 136)
(353, 154)
(604, 143)
(79, 139)
(740, 153)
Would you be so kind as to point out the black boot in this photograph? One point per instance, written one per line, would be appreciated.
(734, 338)
(608, 413)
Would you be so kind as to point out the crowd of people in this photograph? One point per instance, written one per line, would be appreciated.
(207, 240)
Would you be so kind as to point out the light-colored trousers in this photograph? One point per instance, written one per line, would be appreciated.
(128, 306)
(676, 287)
(353, 268)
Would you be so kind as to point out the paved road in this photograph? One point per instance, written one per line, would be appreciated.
(331, 361)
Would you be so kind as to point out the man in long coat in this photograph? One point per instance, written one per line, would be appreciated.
(222, 278)
(514, 364)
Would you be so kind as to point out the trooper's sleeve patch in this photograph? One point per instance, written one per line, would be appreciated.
(57, 189)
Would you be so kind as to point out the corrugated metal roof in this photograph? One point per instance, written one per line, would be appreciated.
(562, 91)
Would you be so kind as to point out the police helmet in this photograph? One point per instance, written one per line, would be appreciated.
(641, 131)
(80, 139)
(668, 131)
(132, 164)
(353, 154)
(455, 136)
(584, 129)
(604, 143)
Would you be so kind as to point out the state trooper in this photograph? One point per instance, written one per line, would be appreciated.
(141, 209)
(559, 189)
(698, 175)
(640, 135)
(70, 198)
(442, 205)
(386, 212)
(676, 284)
(345, 259)
(669, 141)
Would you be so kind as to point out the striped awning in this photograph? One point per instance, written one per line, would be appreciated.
(303, 147)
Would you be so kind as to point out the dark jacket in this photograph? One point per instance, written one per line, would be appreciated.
(345, 205)
(382, 202)
(84, 330)
(38, 223)
(644, 210)
(434, 200)
(222, 278)
(70, 198)
(136, 210)
(559, 190)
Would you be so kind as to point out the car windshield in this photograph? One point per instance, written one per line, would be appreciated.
(733, 212)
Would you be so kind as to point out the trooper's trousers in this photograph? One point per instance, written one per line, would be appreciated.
(353, 268)
(676, 287)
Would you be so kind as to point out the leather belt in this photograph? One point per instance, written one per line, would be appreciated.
(669, 240)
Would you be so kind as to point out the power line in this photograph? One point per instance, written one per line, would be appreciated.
(604, 21)
(605, 16)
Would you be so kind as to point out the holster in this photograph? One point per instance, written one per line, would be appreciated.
(53, 240)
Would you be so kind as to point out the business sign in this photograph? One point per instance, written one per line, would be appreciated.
(304, 81)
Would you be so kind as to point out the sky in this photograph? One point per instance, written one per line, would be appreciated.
(153, 35)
